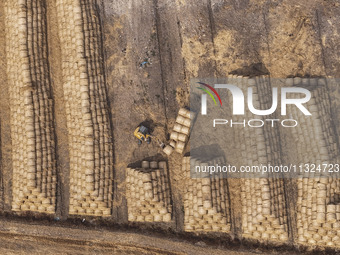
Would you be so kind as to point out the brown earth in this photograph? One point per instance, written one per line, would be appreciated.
(28, 238)
(181, 40)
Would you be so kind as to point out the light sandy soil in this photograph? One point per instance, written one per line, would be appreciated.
(181, 39)
(24, 238)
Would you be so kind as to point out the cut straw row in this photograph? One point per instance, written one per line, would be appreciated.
(88, 123)
(264, 212)
(181, 131)
(318, 201)
(206, 202)
(148, 193)
(31, 109)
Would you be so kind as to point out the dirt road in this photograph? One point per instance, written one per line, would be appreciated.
(77, 78)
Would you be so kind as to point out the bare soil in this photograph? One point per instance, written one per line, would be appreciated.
(179, 40)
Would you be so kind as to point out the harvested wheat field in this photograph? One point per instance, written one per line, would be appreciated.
(82, 81)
